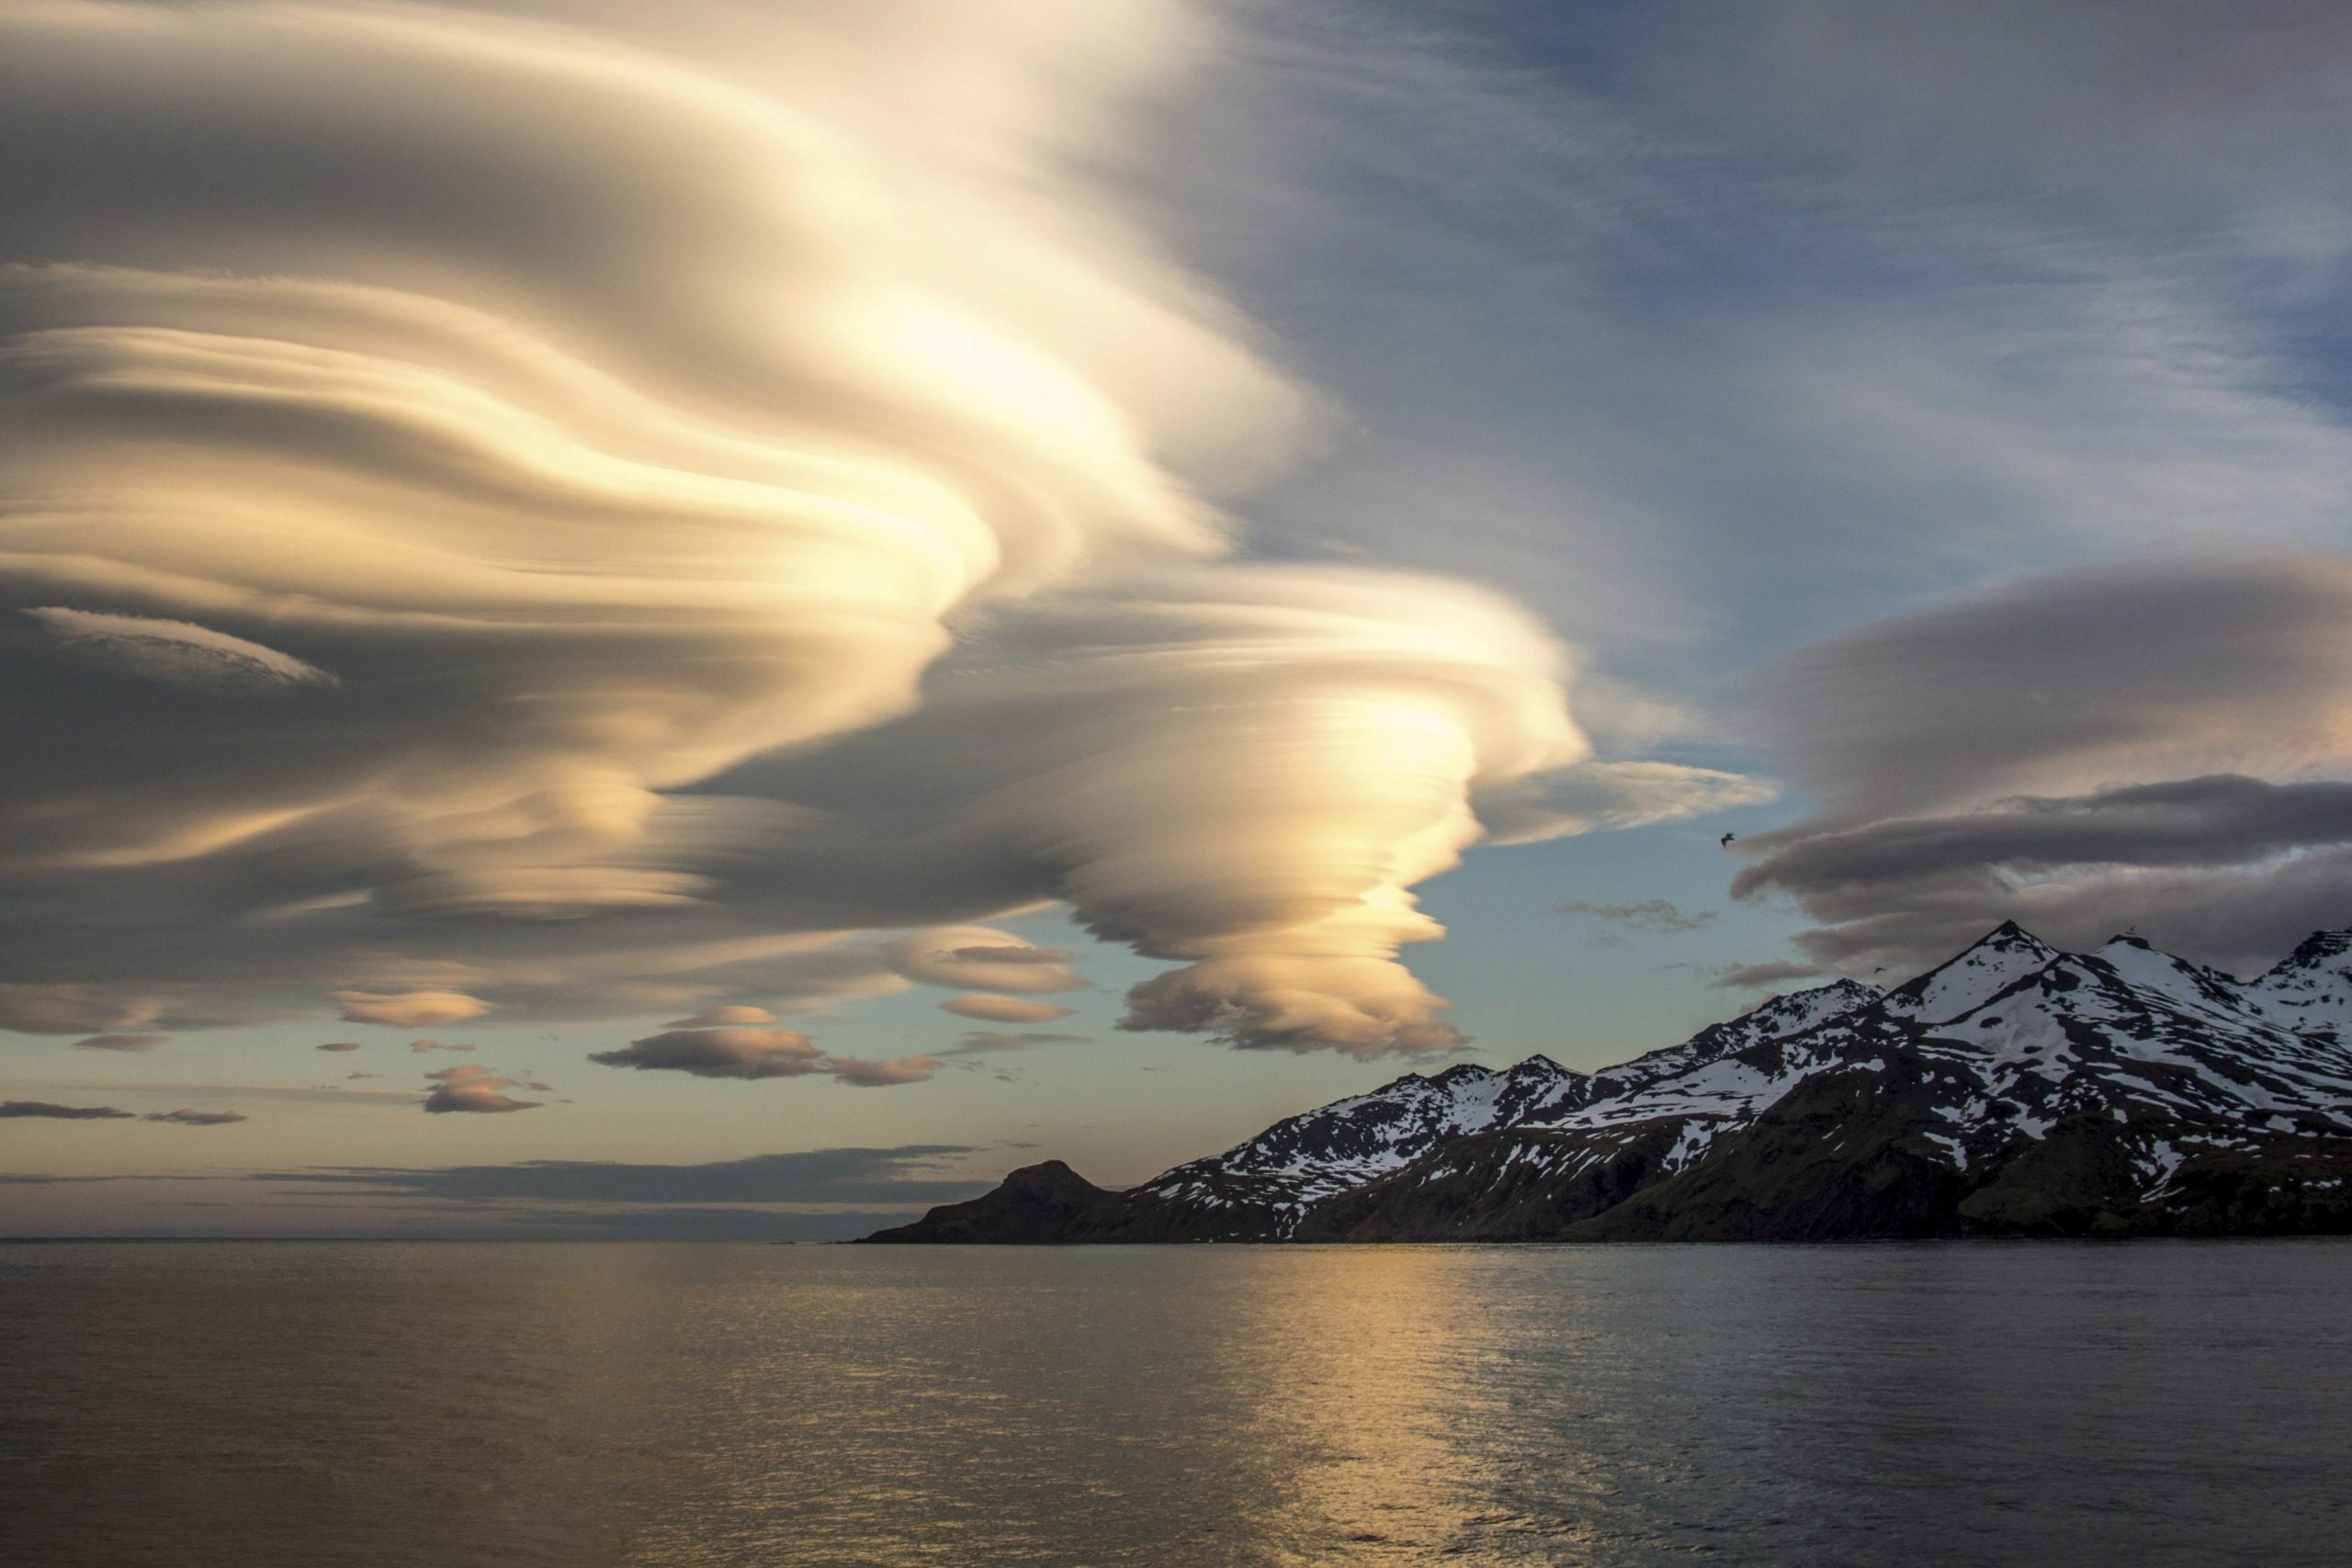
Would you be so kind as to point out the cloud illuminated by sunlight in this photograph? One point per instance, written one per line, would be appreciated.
(818, 404)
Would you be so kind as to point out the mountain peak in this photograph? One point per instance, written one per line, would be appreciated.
(2317, 949)
(1998, 959)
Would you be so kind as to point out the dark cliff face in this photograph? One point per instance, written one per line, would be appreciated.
(1046, 1202)
(2015, 1091)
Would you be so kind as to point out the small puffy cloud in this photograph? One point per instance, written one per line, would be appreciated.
(994, 1008)
(41, 1108)
(420, 1047)
(1658, 915)
(885, 1073)
(341, 1045)
(121, 1041)
(721, 1018)
(720, 1053)
(976, 957)
(187, 1118)
(472, 1088)
(408, 1009)
(1364, 1006)
(750, 1053)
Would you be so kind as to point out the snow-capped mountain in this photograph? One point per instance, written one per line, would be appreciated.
(2311, 989)
(2013, 1090)
(1276, 1176)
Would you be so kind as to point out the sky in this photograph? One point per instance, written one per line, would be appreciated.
(728, 619)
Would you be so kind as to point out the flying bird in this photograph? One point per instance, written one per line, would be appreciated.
(1726, 841)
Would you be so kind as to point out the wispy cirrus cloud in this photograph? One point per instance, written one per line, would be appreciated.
(1657, 915)
(989, 1041)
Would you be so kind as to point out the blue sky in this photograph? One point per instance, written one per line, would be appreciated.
(1233, 460)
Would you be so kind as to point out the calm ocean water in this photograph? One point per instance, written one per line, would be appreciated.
(465, 1404)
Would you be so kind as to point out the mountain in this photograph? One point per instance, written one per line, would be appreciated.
(1259, 1190)
(2013, 1091)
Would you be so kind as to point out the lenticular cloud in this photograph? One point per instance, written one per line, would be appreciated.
(597, 442)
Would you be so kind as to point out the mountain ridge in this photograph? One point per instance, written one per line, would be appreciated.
(2015, 1089)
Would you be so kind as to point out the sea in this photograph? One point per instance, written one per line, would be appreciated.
(710, 1406)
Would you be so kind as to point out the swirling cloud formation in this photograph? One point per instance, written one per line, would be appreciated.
(589, 507)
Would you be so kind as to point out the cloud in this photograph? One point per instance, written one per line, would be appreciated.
(977, 956)
(908, 1174)
(292, 1093)
(409, 1009)
(714, 1018)
(472, 1088)
(1243, 772)
(1006, 952)
(2161, 746)
(753, 1054)
(1757, 976)
(39, 1108)
(121, 1041)
(885, 1073)
(187, 1118)
(341, 1045)
(720, 1053)
(1600, 797)
(175, 653)
(1657, 915)
(1003, 1009)
(835, 307)
(67, 1009)
(2068, 682)
(987, 1042)
(419, 1048)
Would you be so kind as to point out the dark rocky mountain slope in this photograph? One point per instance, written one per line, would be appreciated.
(2015, 1091)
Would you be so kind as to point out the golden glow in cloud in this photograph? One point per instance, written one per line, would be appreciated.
(502, 456)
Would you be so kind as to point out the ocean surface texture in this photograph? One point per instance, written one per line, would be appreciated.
(459, 1404)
